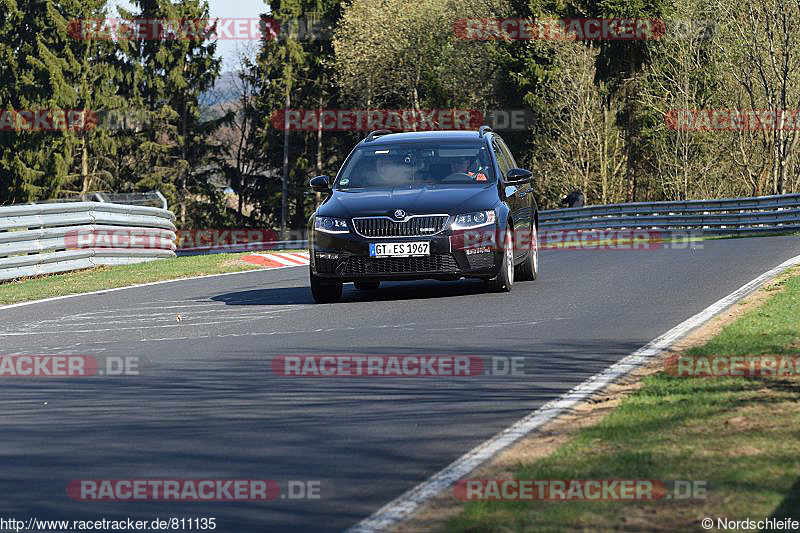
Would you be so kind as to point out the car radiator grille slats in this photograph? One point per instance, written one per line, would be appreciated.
(423, 226)
(400, 265)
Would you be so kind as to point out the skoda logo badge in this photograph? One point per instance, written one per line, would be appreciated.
(400, 214)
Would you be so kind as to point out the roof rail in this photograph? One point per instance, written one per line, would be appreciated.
(483, 130)
(377, 133)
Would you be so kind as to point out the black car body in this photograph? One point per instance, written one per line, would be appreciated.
(423, 205)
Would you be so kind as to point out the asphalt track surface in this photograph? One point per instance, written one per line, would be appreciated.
(207, 405)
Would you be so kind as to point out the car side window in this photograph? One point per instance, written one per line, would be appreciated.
(502, 159)
(508, 154)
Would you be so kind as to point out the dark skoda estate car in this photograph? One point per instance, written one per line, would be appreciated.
(428, 205)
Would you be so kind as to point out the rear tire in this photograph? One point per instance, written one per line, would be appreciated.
(325, 291)
(529, 269)
(504, 280)
(367, 285)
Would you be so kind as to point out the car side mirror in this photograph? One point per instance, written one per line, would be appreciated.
(517, 176)
(320, 184)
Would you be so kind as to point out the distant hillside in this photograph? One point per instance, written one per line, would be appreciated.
(224, 90)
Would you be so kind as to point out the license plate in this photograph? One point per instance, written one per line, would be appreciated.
(399, 249)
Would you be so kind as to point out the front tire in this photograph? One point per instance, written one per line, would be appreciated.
(504, 280)
(529, 269)
(325, 291)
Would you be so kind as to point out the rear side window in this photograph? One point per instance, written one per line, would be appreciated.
(502, 158)
(508, 154)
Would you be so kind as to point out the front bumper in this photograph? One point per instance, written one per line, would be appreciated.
(345, 257)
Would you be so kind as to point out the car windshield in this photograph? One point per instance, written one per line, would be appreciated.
(412, 164)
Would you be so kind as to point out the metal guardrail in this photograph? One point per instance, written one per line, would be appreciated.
(730, 216)
(45, 238)
(150, 198)
(48, 238)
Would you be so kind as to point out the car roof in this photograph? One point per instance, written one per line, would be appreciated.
(439, 135)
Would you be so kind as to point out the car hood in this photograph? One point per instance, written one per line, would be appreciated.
(414, 201)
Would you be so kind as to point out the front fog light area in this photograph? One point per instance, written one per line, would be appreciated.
(480, 250)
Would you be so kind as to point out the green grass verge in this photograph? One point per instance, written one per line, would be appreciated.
(120, 276)
(741, 435)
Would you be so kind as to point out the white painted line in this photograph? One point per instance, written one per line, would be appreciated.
(302, 256)
(220, 322)
(278, 258)
(302, 259)
(55, 298)
(405, 505)
(220, 309)
(188, 306)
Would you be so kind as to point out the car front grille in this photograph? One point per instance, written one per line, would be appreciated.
(418, 226)
(400, 265)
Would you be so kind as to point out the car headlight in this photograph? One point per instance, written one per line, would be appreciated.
(331, 225)
(473, 220)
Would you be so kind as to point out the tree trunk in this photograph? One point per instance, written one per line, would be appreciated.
(416, 100)
(318, 196)
(299, 208)
(85, 167)
(185, 156)
(783, 148)
(287, 103)
(240, 170)
(604, 158)
(632, 141)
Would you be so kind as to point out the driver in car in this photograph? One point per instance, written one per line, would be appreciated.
(462, 165)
